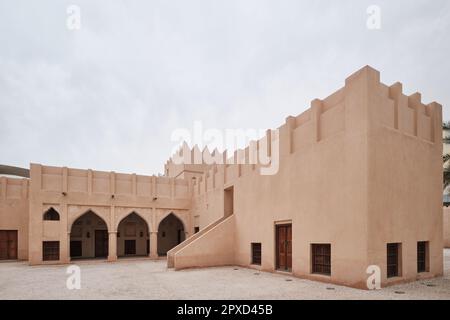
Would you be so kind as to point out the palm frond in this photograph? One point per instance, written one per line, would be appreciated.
(446, 178)
(445, 157)
(446, 171)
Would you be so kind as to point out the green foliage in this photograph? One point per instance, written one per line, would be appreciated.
(446, 125)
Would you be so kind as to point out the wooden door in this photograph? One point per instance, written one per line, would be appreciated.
(289, 247)
(3, 245)
(284, 247)
(130, 247)
(76, 248)
(101, 243)
(281, 247)
(8, 244)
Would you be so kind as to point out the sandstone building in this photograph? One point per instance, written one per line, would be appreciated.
(358, 184)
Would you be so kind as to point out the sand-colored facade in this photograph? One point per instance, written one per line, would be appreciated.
(359, 171)
(446, 227)
(14, 211)
(136, 205)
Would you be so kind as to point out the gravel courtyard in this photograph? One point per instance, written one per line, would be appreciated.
(146, 279)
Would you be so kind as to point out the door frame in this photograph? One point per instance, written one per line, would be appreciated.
(16, 240)
(276, 226)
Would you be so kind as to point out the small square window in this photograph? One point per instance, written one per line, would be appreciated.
(422, 256)
(393, 259)
(256, 253)
(321, 258)
(50, 250)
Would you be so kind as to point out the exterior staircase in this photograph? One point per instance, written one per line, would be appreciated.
(171, 253)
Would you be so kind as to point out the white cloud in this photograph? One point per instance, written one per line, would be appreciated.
(109, 96)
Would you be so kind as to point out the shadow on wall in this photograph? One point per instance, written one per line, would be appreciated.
(170, 234)
(89, 237)
(133, 237)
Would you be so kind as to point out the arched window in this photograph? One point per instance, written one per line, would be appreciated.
(51, 215)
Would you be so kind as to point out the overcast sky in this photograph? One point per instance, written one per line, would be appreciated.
(108, 96)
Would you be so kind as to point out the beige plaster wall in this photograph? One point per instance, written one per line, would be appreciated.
(14, 211)
(202, 231)
(213, 248)
(359, 169)
(112, 196)
(405, 180)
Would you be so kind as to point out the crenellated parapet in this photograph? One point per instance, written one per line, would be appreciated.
(364, 104)
(409, 115)
(91, 182)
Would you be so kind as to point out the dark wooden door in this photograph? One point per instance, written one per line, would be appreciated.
(281, 247)
(76, 248)
(3, 245)
(130, 247)
(101, 243)
(289, 247)
(284, 247)
(8, 244)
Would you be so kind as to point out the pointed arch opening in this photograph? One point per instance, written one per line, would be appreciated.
(170, 233)
(133, 236)
(51, 215)
(89, 237)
